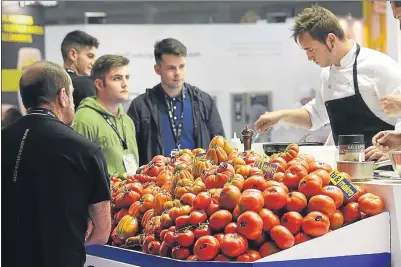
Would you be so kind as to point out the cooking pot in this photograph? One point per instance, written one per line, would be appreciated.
(361, 171)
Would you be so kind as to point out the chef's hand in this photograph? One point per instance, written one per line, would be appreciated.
(372, 153)
(386, 141)
(267, 121)
(391, 105)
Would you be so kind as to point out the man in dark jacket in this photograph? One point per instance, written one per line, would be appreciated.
(173, 114)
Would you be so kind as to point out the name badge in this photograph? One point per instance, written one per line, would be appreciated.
(130, 164)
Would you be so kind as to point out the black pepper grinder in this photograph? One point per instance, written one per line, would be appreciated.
(247, 134)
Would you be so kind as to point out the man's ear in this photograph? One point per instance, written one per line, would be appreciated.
(62, 98)
(73, 54)
(157, 68)
(99, 84)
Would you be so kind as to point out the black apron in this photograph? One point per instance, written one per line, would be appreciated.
(351, 115)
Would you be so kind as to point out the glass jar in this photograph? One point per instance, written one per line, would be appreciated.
(351, 148)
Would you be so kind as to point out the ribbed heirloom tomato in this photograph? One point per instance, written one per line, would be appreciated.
(292, 221)
(275, 198)
(296, 201)
(334, 193)
(310, 185)
(269, 219)
(293, 175)
(250, 225)
(255, 182)
(322, 203)
(282, 236)
(234, 245)
(315, 224)
(370, 204)
(251, 200)
(206, 248)
(202, 201)
(280, 162)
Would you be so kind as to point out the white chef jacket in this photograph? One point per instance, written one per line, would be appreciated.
(378, 75)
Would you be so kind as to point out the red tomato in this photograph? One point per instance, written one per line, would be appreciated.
(351, 212)
(274, 198)
(307, 157)
(236, 180)
(301, 237)
(154, 247)
(315, 224)
(250, 225)
(222, 257)
(219, 237)
(185, 238)
(213, 207)
(251, 200)
(293, 175)
(292, 221)
(296, 201)
(298, 161)
(206, 248)
(282, 236)
(280, 162)
(259, 241)
(202, 201)
(231, 228)
(182, 221)
(310, 185)
(313, 166)
(197, 216)
(229, 197)
(335, 194)
(370, 204)
(324, 175)
(268, 248)
(170, 238)
(347, 176)
(162, 234)
(234, 245)
(269, 219)
(180, 253)
(192, 258)
(337, 220)
(290, 152)
(272, 183)
(322, 203)
(255, 182)
(219, 220)
(187, 199)
(249, 256)
(236, 213)
(165, 250)
(202, 230)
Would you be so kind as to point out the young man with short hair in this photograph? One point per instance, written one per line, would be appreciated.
(173, 114)
(102, 119)
(79, 54)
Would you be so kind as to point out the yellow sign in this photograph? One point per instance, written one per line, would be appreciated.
(341, 182)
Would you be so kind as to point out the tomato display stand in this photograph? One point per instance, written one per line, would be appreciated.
(362, 244)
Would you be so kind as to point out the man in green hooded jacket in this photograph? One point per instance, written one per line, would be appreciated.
(102, 119)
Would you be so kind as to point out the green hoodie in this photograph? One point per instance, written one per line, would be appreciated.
(90, 123)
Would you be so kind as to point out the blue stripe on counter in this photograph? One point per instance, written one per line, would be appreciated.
(145, 260)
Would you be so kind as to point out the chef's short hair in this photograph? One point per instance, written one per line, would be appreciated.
(41, 82)
(318, 22)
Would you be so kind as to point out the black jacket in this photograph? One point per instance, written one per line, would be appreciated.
(144, 112)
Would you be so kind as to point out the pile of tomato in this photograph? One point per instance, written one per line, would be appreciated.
(216, 205)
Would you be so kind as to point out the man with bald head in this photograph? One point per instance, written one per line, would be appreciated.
(55, 180)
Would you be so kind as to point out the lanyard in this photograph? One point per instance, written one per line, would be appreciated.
(176, 130)
(41, 111)
(123, 141)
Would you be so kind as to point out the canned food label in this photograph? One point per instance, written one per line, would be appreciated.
(337, 179)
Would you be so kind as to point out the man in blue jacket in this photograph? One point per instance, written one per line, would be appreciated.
(173, 114)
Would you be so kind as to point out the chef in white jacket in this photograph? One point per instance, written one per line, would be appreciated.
(353, 80)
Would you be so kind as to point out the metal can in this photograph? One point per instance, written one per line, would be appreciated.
(351, 148)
